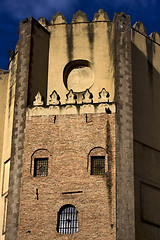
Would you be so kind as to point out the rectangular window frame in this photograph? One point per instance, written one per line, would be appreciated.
(39, 161)
(5, 214)
(4, 177)
(95, 171)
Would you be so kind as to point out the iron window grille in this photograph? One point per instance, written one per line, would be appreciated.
(97, 165)
(40, 167)
(67, 220)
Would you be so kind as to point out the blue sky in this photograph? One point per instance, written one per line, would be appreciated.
(12, 11)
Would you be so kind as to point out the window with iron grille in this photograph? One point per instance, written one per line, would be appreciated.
(67, 220)
(40, 167)
(97, 165)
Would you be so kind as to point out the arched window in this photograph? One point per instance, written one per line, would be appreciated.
(97, 161)
(67, 220)
(39, 163)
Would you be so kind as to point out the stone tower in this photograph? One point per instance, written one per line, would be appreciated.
(78, 102)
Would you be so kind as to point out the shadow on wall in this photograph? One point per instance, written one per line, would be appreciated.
(146, 129)
(146, 104)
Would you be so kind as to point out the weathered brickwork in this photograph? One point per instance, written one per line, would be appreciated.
(67, 142)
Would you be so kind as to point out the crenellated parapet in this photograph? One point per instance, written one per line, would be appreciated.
(79, 16)
(140, 27)
(43, 21)
(101, 15)
(155, 37)
(59, 18)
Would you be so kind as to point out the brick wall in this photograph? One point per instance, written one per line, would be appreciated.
(67, 144)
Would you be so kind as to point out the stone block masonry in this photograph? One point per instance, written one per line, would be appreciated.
(124, 129)
(18, 130)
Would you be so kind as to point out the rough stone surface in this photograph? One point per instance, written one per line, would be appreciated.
(124, 130)
(18, 131)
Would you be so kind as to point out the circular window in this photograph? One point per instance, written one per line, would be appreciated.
(78, 75)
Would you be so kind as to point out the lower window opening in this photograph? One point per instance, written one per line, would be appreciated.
(67, 220)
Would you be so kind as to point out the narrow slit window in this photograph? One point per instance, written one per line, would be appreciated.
(40, 167)
(67, 220)
(5, 214)
(97, 165)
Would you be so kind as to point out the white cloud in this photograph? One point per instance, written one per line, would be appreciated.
(20, 9)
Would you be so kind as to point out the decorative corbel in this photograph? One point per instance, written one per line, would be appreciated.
(54, 98)
(71, 98)
(38, 100)
(103, 96)
(87, 97)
